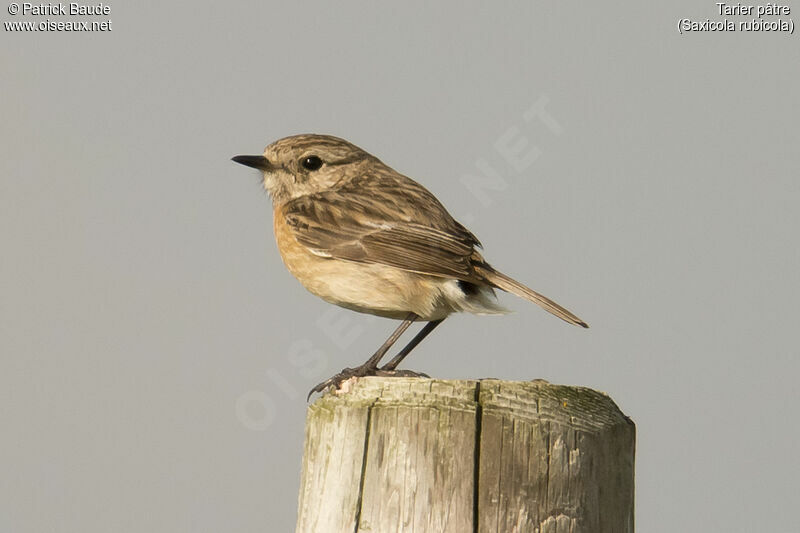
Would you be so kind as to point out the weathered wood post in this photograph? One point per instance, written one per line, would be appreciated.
(427, 455)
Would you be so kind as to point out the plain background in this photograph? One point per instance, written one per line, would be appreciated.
(156, 353)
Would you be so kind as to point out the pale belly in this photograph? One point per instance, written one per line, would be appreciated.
(368, 288)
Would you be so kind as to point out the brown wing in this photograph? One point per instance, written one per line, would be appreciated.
(384, 221)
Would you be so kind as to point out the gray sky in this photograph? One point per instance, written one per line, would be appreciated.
(154, 352)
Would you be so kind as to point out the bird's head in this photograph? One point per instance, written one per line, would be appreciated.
(306, 164)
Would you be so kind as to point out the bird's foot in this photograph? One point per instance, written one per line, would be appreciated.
(336, 380)
(401, 373)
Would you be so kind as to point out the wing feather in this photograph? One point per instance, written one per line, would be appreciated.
(403, 227)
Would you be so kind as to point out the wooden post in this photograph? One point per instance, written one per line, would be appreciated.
(427, 455)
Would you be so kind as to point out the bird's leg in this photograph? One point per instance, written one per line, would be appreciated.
(392, 365)
(370, 366)
(373, 361)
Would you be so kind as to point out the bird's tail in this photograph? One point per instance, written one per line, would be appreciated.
(501, 281)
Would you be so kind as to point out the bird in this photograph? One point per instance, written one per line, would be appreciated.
(360, 235)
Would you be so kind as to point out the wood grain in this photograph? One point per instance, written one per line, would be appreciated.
(411, 454)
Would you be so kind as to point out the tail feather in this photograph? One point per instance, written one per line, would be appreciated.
(501, 281)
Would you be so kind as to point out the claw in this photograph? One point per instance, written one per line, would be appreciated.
(401, 374)
(344, 375)
(360, 372)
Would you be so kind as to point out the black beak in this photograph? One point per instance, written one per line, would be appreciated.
(255, 161)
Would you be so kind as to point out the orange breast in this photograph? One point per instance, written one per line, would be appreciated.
(368, 288)
(297, 258)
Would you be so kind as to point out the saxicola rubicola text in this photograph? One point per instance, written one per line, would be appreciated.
(360, 235)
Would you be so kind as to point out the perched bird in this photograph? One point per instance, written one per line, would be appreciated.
(360, 235)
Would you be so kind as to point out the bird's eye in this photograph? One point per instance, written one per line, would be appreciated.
(311, 162)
